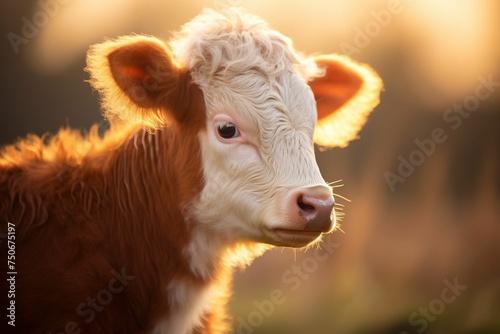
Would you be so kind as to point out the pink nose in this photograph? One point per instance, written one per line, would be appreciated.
(315, 207)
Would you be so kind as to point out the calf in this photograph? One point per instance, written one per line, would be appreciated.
(208, 162)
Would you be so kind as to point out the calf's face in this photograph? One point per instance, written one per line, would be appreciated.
(264, 106)
(261, 179)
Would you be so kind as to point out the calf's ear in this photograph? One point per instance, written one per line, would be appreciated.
(140, 82)
(345, 96)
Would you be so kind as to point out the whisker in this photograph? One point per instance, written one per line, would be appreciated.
(340, 196)
(335, 184)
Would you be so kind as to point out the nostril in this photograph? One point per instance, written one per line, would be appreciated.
(310, 209)
(303, 205)
(315, 208)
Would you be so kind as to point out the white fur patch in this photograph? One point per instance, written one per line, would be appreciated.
(187, 304)
(251, 76)
(248, 180)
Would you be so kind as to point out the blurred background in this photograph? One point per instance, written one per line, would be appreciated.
(419, 246)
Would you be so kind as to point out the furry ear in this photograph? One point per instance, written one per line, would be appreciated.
(345, 95)
(140, 82)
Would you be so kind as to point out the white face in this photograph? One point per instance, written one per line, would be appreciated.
(262, 182)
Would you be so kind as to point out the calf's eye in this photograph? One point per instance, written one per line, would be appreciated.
(228, 130)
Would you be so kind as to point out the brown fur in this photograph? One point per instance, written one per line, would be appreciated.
(84, 206)
(78, 220)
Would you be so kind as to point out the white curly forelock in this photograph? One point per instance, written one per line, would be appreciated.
(216, 44)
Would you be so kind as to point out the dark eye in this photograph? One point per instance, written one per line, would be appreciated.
(228, 130)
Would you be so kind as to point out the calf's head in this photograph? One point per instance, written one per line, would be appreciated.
(263, 106)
